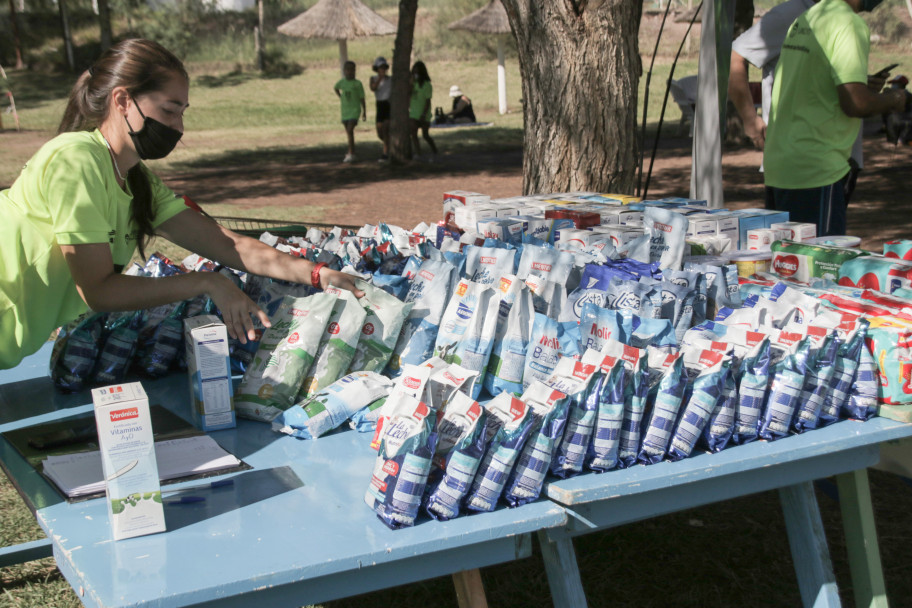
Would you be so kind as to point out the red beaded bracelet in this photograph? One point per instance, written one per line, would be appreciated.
(315, 274)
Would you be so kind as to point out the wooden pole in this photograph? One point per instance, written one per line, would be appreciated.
(67, 38)
(343, 55)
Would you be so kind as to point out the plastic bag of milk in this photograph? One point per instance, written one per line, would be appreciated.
(548, 342)
(707, 371)
(446, 382)
(429, 293)
(545, 262)
(400, 474)
(333, 405)
(575, 378)
(459, 313)
(486, 265)
(507, 427)
(790, 353)
(665, 238)
(666, 398)
(610, 388)
(274, 377)
(511, 344)
(549, 410)
(384, 316)
(337, 344)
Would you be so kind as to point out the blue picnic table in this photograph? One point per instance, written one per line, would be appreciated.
(294, 529)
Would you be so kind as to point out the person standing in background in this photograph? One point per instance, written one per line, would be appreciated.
(420, 108)
(351, 93)
(382, 85)
(820, 94)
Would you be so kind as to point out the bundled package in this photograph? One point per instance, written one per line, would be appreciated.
(636, 388)
(384, 316)
(549, 415)
(891, 346)
(75, 352)
(577, 379)
(338, 342)
(666, 392)
(274, 377)
(333, 405)
(664, 241)
(460, 447)
(508, 425)
(119, 345)
(706, 371)
(803, 261)
(886, 274)
(406, 446)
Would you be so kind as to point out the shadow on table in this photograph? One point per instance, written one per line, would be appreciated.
(247, 488)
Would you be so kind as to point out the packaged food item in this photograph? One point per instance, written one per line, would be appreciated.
(473, 349)
(118, 348)
(665, 397)
(707, 371)
(511, 345)
(750, 262)
(274, 377)
(486, 265)
(384, 316)
(820, 369)
(163, 348)
(664, 241)
(575, 379)
(610, 390)
(762, 239)
(549, 415)
(460, 447)
(801, 261)
(599, 325)
(406, 447)
(901, 249)
(718, 431)
(209, 373)
(330, 407)
(862, 404)
(636, 388)
(796, 231)
(851, 242)
(847, 359)
(549, 341)
(75, 351)
(545, 262)
(444, 383)
(508, 425)
(337, 342)
(788, 369)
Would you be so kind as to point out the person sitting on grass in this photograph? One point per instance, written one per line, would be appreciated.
(351, 93)
(462, 112)
(85, 202)
(420, 108)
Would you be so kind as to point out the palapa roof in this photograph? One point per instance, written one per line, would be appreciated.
(490, 19)
(337, 20)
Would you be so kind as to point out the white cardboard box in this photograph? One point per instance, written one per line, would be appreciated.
(128, 460)
(209, 372)
(796, 231)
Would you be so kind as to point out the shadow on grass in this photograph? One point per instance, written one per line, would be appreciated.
(287, 170)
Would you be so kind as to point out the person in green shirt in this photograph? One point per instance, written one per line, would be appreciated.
(821, 92)
(85, 202)
(351, 94)
(420, 108)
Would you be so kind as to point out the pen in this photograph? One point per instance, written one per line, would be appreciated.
(186, 500)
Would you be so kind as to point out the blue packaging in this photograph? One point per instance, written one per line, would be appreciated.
(820, 370)
(666, 402)
(719, 430)
(862, 404)
(599, 325)
(575, 379)
(705, 391)
(785, 390)
(549, 340)
(610, 388)
(847, 361)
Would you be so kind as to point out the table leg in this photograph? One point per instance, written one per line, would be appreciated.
(810, 553)
(861, 539)
(26, 552)
(562, 571)
(470, 591)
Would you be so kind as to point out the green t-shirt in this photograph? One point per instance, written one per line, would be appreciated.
(420, 95)
(67, 194)
(352, 94)
(809, 138)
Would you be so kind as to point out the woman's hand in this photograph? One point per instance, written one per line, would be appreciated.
(234, 305)
(339, 279)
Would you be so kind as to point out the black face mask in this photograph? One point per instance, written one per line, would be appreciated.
(155, 139)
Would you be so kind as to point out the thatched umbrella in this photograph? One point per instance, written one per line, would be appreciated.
(490, 19)
(341, 20)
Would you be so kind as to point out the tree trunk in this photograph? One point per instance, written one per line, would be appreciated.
(17, 41)
(67, 38)
(258, 39)
(580, 67)
(400, 144)
(104, 23)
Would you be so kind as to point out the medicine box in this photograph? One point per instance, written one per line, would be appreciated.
(209, 372)
(796, 231)
(128, 460)
(467, 218)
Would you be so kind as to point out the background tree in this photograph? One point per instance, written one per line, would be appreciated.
(17, 41)
(580, 67)
(104, 23)
(400, 145)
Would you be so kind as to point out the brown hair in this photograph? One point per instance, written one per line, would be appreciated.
(141, 66)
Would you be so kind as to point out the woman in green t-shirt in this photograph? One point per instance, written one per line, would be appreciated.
(84, 202)
(420, 107)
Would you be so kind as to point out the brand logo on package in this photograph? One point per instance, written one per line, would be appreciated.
(333, 328)
(485, 259)
(390, 467)
(412, 383)
(125, 414)
(785, 265)
(463, 311)
(541, 266)
(426, 275)
(297, 312)
(661, 226)
(368, 329)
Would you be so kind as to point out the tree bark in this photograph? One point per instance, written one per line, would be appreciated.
(580, 67)
(17, 41)
(400, 144)
(104, 23)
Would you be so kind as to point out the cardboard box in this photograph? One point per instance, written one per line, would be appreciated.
(128, 460)
(503, 229)
(796, 231)
(209, 372)
(455, 199)
(467, 218)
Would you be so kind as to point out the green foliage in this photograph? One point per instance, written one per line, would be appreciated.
(176, 26)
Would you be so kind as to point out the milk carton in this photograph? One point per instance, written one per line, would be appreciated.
(128, 460)
(796, 231)
(209, 371)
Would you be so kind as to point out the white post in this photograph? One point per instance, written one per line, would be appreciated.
(501, 78)
(343, 55)
(706, 165)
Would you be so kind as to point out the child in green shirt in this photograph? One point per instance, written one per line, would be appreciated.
(351, 93)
